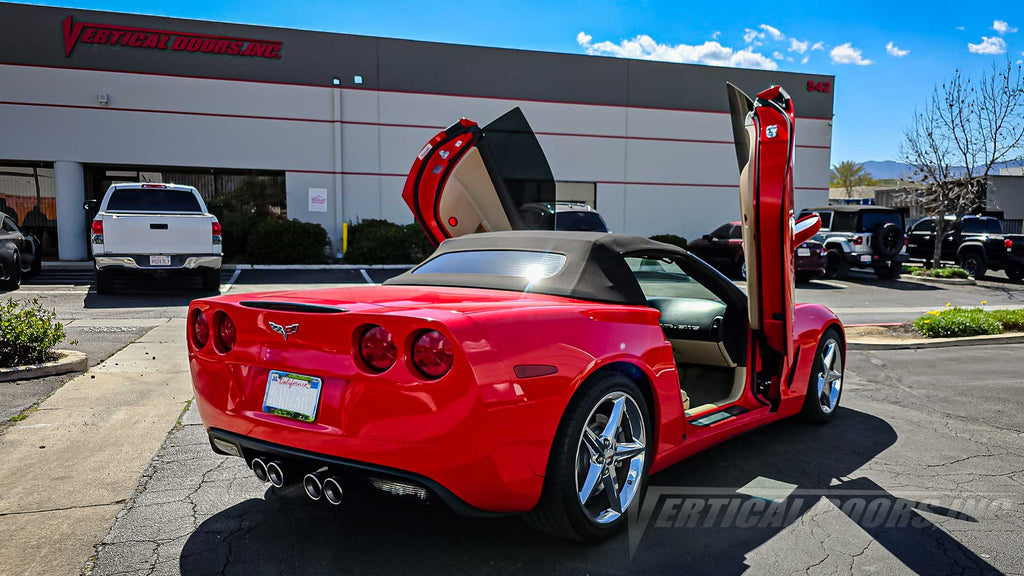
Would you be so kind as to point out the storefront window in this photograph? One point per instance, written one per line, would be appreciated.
(28, 196)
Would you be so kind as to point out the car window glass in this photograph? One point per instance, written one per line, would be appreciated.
(8, 226)
(843, 221)
(722, 232)
(981, 226)
(519, 263)
(925, 226)
(871, 219)
(737, 233)
(153, 200)
(662, 278)
(580, 222)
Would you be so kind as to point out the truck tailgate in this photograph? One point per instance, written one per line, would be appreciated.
(158, 234)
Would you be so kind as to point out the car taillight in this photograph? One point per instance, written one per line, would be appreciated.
(858, 240)
(377, 348)
(97, 231)
(217, 233)
(225, 332)
(432, 354)
(200, 329)
(1007, 243)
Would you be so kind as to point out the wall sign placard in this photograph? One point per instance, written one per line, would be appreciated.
(318, 199)
(129, 37)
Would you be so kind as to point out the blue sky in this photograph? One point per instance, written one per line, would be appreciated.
(876, 92)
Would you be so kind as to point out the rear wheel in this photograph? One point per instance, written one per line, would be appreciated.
(973, 263)
(836, 265)
(1015, 272)
(889, 271)
(105, 281)
(211, 280)
(826, 383)
(804, 276)
(13, 280)
(599, 462)
(743, 268)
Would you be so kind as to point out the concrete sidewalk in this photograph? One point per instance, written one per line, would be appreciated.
(68, 467)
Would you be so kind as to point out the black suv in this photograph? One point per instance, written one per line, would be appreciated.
(566, 216)
(976, 243)
(861, 237)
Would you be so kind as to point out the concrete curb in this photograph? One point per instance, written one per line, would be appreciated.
(917, 344)
(946, 281)
(69, 361)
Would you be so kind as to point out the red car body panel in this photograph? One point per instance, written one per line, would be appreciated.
(480, 431)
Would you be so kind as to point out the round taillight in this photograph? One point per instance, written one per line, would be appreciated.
(225, 332)
(432, 354)
(377, 348)
(200, 329)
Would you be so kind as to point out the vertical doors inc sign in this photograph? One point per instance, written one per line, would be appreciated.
(143, 38)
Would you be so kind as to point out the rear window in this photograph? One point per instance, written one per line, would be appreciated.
(982, 226)
(153, 200)
(518, 263)
(580, 222)
(870, 220)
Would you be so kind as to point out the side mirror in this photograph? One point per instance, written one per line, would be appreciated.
(805, 228)
(89, 205)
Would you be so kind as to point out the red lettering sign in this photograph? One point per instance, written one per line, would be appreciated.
(813, 86)
(110, 35)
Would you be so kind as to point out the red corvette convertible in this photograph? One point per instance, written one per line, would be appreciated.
(536, 372)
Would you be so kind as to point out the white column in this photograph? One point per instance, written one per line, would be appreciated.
(69, 180)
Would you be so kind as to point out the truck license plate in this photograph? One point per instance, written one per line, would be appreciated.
(159, 260)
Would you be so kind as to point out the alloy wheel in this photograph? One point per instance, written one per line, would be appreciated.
(611, 457)
(830, 379)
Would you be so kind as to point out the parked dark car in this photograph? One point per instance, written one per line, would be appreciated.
(862, 237)
(564, 216)
(723, 249)
(20, 254)
(976, 243)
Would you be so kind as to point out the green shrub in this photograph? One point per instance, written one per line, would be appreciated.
(670, 239)
(375, 241)
(1012, 320)
(28, 333)
(957, 322)
(950, 272)
(279, 241)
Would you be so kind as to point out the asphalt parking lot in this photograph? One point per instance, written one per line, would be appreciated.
(930, 437)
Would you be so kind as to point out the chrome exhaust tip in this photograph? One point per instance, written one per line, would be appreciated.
(259, 469)
(275, 473)
(313, 487)
(332, 490)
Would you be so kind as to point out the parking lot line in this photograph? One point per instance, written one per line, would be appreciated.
(231, 282)
(366, 276)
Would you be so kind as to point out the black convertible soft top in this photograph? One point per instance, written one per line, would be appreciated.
(594, 268)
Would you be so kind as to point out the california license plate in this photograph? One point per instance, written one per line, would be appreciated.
(159, 260)
(803, 251)
(865, 258)
(292, 395)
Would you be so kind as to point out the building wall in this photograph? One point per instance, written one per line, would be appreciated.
(654, 138)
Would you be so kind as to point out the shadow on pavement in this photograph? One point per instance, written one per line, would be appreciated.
(286, 533)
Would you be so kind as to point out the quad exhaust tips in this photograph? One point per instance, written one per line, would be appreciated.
(272, 472)
(313, 486)
(329, 488)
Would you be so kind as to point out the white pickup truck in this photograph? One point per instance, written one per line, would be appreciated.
(157, 229)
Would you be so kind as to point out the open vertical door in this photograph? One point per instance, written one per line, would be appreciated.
(763, 130)
(468, 179)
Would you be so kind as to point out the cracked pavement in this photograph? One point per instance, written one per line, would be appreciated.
(937, 431)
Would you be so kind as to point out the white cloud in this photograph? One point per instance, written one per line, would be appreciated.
(778, 55)
(644, 47)
(798, 46)
(847, 54)
(895, 50)
(805, 59)
(773, 32)
(988, 45)
(961, 28)
(1002, 27)
(750, 35)
(818, 46)
(716, 34)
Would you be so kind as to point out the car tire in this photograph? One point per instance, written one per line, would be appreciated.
(803, 276)
(816, 410)
(13, 281)
(211, 280)
(37, 262)
(741, 268)
(890, 271)
(105, 281)
(1015, 272)
(573, 461)
(836, 265)
(887, 240)
(974, 264)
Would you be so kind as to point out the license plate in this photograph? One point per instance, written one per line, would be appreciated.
(803, 251)
(865, 258)
(292, 395)
(159, 260)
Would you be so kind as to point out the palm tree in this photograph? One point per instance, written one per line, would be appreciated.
(848, 174)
